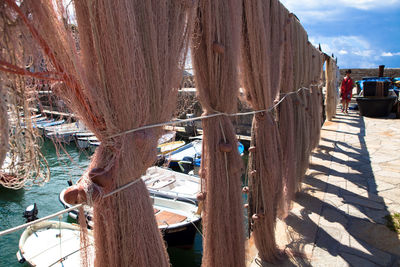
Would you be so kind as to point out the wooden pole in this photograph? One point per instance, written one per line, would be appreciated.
(381, 70)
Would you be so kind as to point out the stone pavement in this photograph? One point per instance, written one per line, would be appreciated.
(353, 183)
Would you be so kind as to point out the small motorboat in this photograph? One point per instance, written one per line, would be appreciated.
(83, 139)
(187, 157)
(64, 133)
(52, 243)
(191, 150)
(42, 126)
(176, 185)
(162, 146)
(93, 144)
(376, 97)
(177, 220)
(167, 137)
(62, 127)
(169, 147)
(73, 214)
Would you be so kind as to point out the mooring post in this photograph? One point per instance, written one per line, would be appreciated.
(381, 70)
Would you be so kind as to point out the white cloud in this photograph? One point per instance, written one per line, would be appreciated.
(351, 51)
(325, 5)
(327, 10)
(390, 54)
(364, 53)
(370, 4)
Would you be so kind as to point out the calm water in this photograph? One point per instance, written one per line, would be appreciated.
(63, 168)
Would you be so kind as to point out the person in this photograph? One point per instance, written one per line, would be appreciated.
(346, 90)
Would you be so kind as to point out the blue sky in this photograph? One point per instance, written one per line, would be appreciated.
(361, 33)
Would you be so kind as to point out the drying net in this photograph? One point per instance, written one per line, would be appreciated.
(277, 57)
(119, 74)
(215, 51)
(24, 165)
(3, 127)
(331, 88)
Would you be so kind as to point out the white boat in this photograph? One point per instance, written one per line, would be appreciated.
(177, 220)
(94, 143)
(83, 141)
(64, 133)
(176, 185)
(192, 149)
(166, 137)
(59, 128)
(52, 243)
(41, 127)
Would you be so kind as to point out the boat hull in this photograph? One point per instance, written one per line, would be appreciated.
(375, 106)
(182, 237)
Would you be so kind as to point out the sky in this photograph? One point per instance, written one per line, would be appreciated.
(360, 33)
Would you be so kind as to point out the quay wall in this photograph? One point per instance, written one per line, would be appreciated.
(357, 74)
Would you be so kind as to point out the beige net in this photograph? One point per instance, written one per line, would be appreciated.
(125, 75)
(24, 165)
(4, 135)
(215, 51)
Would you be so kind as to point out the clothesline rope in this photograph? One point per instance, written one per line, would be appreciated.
(207, 116)
(22, 226)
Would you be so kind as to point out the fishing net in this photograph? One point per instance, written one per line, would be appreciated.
(4, 136)
(331, 88)
(262, 37)
(24, 163)
(277, 57)
(123, 74)
(215, 51)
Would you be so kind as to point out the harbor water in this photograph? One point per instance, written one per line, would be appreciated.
(63, 166)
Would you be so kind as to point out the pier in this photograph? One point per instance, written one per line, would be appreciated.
(340, 217)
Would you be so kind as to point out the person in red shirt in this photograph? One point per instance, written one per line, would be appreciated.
(346, 90)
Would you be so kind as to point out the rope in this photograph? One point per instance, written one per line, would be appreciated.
(217, 114)
(22, 226)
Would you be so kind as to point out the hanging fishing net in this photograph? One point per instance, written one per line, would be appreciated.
(24, 164)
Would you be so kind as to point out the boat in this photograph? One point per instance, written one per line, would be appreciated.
(169, 147)
(187, 152)
(63, 133)
(83, 139)
(59, 128)
(176, 185)
(162, 146)
(188, 156)
(52, 243)
(167, 137)
(376, 97)
(73, 214)
(42, 126)
(177, 220)
(93, 144)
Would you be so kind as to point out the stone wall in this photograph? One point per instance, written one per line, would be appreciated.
(357, 74)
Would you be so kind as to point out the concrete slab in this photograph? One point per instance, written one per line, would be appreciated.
(352, 184)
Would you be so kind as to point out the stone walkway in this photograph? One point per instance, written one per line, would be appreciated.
(353, 183)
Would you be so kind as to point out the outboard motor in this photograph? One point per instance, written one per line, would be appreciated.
(30, 213)
(186, 164)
